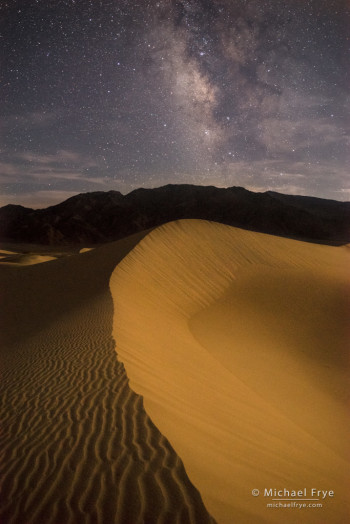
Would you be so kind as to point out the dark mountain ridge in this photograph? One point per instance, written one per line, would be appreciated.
(98, 217)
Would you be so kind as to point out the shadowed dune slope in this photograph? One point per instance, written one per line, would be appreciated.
(33, 296)
(238, 342)
(77, 446)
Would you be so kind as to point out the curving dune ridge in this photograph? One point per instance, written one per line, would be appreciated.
(238, 343)
(77, 446)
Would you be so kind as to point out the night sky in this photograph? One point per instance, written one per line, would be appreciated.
(119, 94)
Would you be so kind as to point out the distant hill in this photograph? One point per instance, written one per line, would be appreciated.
(98, 217)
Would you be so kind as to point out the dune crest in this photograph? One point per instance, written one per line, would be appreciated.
(26, 259)
(237, 341)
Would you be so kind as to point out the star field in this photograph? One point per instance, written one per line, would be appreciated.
(100, 95)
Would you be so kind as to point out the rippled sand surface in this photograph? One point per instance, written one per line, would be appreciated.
(76, 443)
(238, 342)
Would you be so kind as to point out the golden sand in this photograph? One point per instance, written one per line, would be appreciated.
(238, 343)
(77, 446)
(235, 344)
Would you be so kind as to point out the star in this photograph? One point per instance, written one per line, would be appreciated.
(174, 88)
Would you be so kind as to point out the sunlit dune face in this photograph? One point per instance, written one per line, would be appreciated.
(237, 341)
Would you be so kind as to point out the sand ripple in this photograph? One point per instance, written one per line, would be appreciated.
(76, 443)
(238, 342)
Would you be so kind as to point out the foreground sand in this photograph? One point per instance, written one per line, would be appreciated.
(76, 444)
(238, 342)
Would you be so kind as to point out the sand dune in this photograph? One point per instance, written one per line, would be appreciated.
(235, 340)
(76, 443)
(30, 254)
(26, 259)
(4, 254)
(238, 342)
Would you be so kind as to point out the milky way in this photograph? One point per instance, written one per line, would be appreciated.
(100, 95)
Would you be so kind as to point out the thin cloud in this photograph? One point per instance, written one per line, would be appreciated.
(29, 120)
(62, 165)
(60, 157)
(37, 199)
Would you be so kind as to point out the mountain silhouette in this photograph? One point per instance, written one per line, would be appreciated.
(93, 218)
